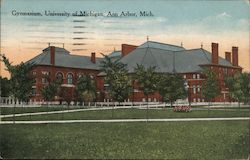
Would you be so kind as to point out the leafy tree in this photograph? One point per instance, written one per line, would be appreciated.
(239, 87)
(5, 87)
(117, 79)
(171, 88)
(210, 87)
(246, 87)
(20, 80)
(67, 94)
(147, 80)
(49, 92)
(85, 89)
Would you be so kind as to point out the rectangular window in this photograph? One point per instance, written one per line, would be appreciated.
(194, 89)
(198, 89)
(34, 72)
(198, 76)
(184, 76)
(194, 76)
(44, 80)
(33, 91)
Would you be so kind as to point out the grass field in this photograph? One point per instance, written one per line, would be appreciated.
(134, 114)
(10, 110)
(156, 140)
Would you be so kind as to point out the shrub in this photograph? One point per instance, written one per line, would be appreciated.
(182, 109)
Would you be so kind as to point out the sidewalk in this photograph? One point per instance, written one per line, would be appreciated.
(126, 120)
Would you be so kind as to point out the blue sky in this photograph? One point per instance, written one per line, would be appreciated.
(191, 22)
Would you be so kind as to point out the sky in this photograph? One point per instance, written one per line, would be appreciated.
(189, 22)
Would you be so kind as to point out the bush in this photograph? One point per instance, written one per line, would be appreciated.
(182, 109)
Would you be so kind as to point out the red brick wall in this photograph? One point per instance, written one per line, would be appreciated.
(53, 71)
(235, 56)
(215, 53)
(126, 49)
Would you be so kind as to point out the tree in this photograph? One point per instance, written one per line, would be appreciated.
(147, 80)
(171, 88)
(5, 87)
(49, 92)
(117, 78)
(239, 87)
(20, 80)
(67, 94)
(246, 87)
(210, 87)
(119, 84)
(85, 89)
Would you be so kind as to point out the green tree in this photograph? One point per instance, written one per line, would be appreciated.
(85, 89)
(20, 81)
(5, 87)
(246, 87)
(49, 91)
(171, 88)
(239, 87)
(116, 76)
(67, 94)
(147, 80)
(210, 87)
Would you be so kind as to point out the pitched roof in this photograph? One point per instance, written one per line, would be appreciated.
(167, 61)
(158, 45)
(115, 54)
(63, 58)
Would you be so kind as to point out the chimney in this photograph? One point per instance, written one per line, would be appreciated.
(235, 56)
(52, 55)
(93, 58)
(215, 53)
(228, 56)
(126, 49)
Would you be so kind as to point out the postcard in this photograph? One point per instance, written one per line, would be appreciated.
(123, 79)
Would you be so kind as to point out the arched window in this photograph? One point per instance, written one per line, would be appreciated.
(70, 78)
(59, 77)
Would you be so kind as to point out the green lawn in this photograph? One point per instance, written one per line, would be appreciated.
(154, 140)
(135, 113)
(10, 110)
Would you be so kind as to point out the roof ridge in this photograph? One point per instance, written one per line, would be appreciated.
(165, 44)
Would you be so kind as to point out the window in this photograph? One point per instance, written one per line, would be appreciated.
(198, 88)
(33, 91)
(34, 73)
(184, 76)
(194, 76)
(70, 78)
(46, 73)
(198, 76)
(194, 89)
(59, 77)
(194, 100)
(44, 80)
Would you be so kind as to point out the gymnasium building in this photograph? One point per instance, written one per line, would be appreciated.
(58, 63)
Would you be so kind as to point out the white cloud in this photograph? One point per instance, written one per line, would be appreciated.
(223, 15)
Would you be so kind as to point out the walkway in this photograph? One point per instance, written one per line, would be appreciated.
(126, 120)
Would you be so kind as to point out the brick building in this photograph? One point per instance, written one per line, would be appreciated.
(58, 63)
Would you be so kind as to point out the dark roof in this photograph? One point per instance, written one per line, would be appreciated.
(158, 45)
(115, 54)
(167, 61)
(63, 58)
